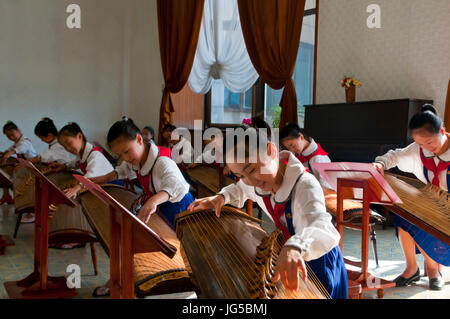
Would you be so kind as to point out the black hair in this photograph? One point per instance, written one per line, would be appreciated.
(292, 130)
(9, 126)
(124, 128)
(45, 127)
(152, 131)
(169, 127)
(72, 129)
(259, 123)
(426, 119)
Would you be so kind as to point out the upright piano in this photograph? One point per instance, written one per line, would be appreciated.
(359, 132)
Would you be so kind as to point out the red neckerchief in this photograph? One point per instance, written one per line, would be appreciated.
(431, 165)
(276, 212)
(318, 151)
(145, 180)
(83, 166)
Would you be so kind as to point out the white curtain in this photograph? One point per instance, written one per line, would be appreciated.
(221, 51)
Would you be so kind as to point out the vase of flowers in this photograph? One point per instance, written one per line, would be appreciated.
(350, 84)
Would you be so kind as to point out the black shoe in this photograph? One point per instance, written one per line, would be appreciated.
(437, 283)
(403, 282)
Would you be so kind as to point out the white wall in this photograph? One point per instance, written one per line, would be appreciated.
(146, 81)
(91, 76)
(409, 57)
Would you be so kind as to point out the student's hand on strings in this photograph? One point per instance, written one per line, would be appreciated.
(72, 192)
(215, 202)
(226, 171)
(5, 157)
(147, 210)
(379, 167)
(290, 262)
(56, 166)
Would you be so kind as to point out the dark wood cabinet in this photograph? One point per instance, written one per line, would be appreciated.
(358, 132)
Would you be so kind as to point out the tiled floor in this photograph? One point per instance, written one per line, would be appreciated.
(17, 262)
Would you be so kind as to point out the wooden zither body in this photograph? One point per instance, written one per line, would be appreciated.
(154, 273)
(425, 206)
(66, 224)
(232, 257)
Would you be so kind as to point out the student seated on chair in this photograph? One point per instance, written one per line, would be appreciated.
(428, 158)
(277, 182)
(22, 148)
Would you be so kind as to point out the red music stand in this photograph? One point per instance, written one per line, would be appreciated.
(359, 181)
(5, 240)
(39, 284)
(129, 236)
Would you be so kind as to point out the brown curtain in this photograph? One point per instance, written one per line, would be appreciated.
(179, 25)
(447, 109)
(271, 30)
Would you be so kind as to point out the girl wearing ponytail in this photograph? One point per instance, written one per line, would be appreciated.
(428, 158)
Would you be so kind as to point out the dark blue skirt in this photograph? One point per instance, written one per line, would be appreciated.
(170, 210)
(331, 272)
(433, 247)
(117, 182)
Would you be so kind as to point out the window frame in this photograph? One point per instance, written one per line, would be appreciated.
(258, 89)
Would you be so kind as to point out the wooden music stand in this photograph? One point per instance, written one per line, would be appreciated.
(359, 181)
(129, 236)
(39, 284)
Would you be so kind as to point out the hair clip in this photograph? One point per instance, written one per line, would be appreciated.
(247, 121)
(9, 122)
(124, 118)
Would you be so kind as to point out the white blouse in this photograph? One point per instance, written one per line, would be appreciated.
(315, 234)
(408, 160)
(56, 153)
(24, 147)
(97, 164)
(166, 175)
(312, 147)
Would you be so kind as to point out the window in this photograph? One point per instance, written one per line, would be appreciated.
(303, 74)
(227, 108)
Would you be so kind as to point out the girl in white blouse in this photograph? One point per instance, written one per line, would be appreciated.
(89, 159)
(22, 148)
(48, 133)
(305, 149)
(294, 200)
(428, 158)
(164, 185)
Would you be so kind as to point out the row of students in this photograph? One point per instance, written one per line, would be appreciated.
(310, 235)
(280, 185)
(295, 203)
(428, 158)
(292, 198)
